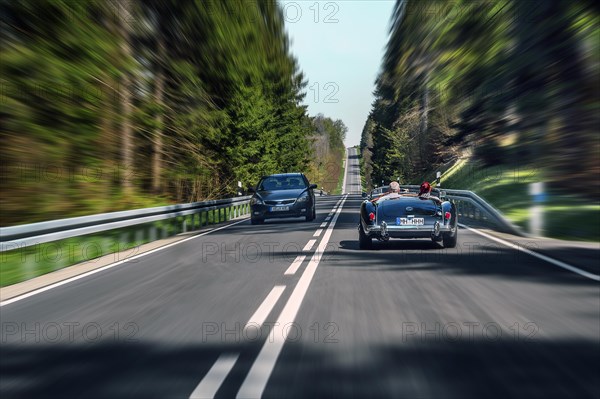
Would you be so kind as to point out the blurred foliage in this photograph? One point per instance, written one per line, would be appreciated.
(109, 105)
(124, 243)
(328, 149)
(506, 187)
(517, 80)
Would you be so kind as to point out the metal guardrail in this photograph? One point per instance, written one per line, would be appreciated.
(18, 237)
(472, 206)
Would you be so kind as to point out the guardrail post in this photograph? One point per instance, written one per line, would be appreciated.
(58, 260)
(172, 226)
(139, 237)
(122, 240)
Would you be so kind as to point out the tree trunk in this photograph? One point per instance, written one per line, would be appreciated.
(126, 105)
(157, 134)
(423, 126)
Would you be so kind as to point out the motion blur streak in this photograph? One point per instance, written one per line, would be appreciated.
(110, 105)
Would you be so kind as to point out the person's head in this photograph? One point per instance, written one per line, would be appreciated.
(394, 187)
(425, 188)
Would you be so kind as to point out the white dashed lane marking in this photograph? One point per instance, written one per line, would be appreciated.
(309, 245)
(295, 265)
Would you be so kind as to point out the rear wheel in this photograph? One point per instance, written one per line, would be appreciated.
(364, 241)
(256, 221)
(450, 239)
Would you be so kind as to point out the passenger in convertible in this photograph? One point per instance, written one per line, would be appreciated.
(425, 193)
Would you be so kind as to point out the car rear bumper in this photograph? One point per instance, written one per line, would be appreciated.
(410, 231)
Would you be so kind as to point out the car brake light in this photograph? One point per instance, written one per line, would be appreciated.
(371, 216)
(448, 215)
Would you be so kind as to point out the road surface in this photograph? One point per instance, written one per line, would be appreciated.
(295, 309)
(353, 184)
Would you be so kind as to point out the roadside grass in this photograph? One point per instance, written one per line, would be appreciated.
(23, 264)
(506, 187)
(361, 165)
(340, 183)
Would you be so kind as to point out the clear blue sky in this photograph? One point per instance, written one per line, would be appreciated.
(339, 49)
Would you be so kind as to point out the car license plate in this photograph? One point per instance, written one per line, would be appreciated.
(279, 208)
(410, 221)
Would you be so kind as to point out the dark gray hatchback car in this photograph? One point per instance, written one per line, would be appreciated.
(283, 195)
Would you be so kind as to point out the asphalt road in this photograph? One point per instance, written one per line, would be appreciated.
(263, 310)
(353, 185)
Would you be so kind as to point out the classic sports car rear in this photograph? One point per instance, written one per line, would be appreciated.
(407, 217)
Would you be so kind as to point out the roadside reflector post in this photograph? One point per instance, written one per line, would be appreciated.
(438, 177)
(536, 212)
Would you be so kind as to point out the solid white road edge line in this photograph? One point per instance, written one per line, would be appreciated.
(309, 245)
(91, 272)
(258, 376)
(537, 255)
(259, 317)
(295, 265)
(210, 384)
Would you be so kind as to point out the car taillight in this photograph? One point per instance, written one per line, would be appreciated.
(371, 216)
(448, 215)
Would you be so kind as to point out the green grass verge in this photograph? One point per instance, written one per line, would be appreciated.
(23, 264)
(506, 187)
(361, 165)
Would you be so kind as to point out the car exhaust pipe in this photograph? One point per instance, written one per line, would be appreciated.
(385, 236)
(435, 234)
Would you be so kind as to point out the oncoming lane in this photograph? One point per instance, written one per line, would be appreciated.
(173, 317)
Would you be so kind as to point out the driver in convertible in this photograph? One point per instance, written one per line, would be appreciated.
(394, 192)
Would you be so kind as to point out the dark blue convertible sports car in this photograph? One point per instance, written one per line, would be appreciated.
(406, 215)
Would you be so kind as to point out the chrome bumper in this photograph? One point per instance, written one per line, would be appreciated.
(385, 229)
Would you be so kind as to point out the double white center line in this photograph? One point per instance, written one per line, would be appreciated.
(210, 384)
(259, 374)
(256, 380)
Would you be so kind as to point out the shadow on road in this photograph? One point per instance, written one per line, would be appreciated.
(420, 366)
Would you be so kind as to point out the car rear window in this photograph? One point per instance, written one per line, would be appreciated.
(272, 183)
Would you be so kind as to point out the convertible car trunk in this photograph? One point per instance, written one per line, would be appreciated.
(390, 209)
